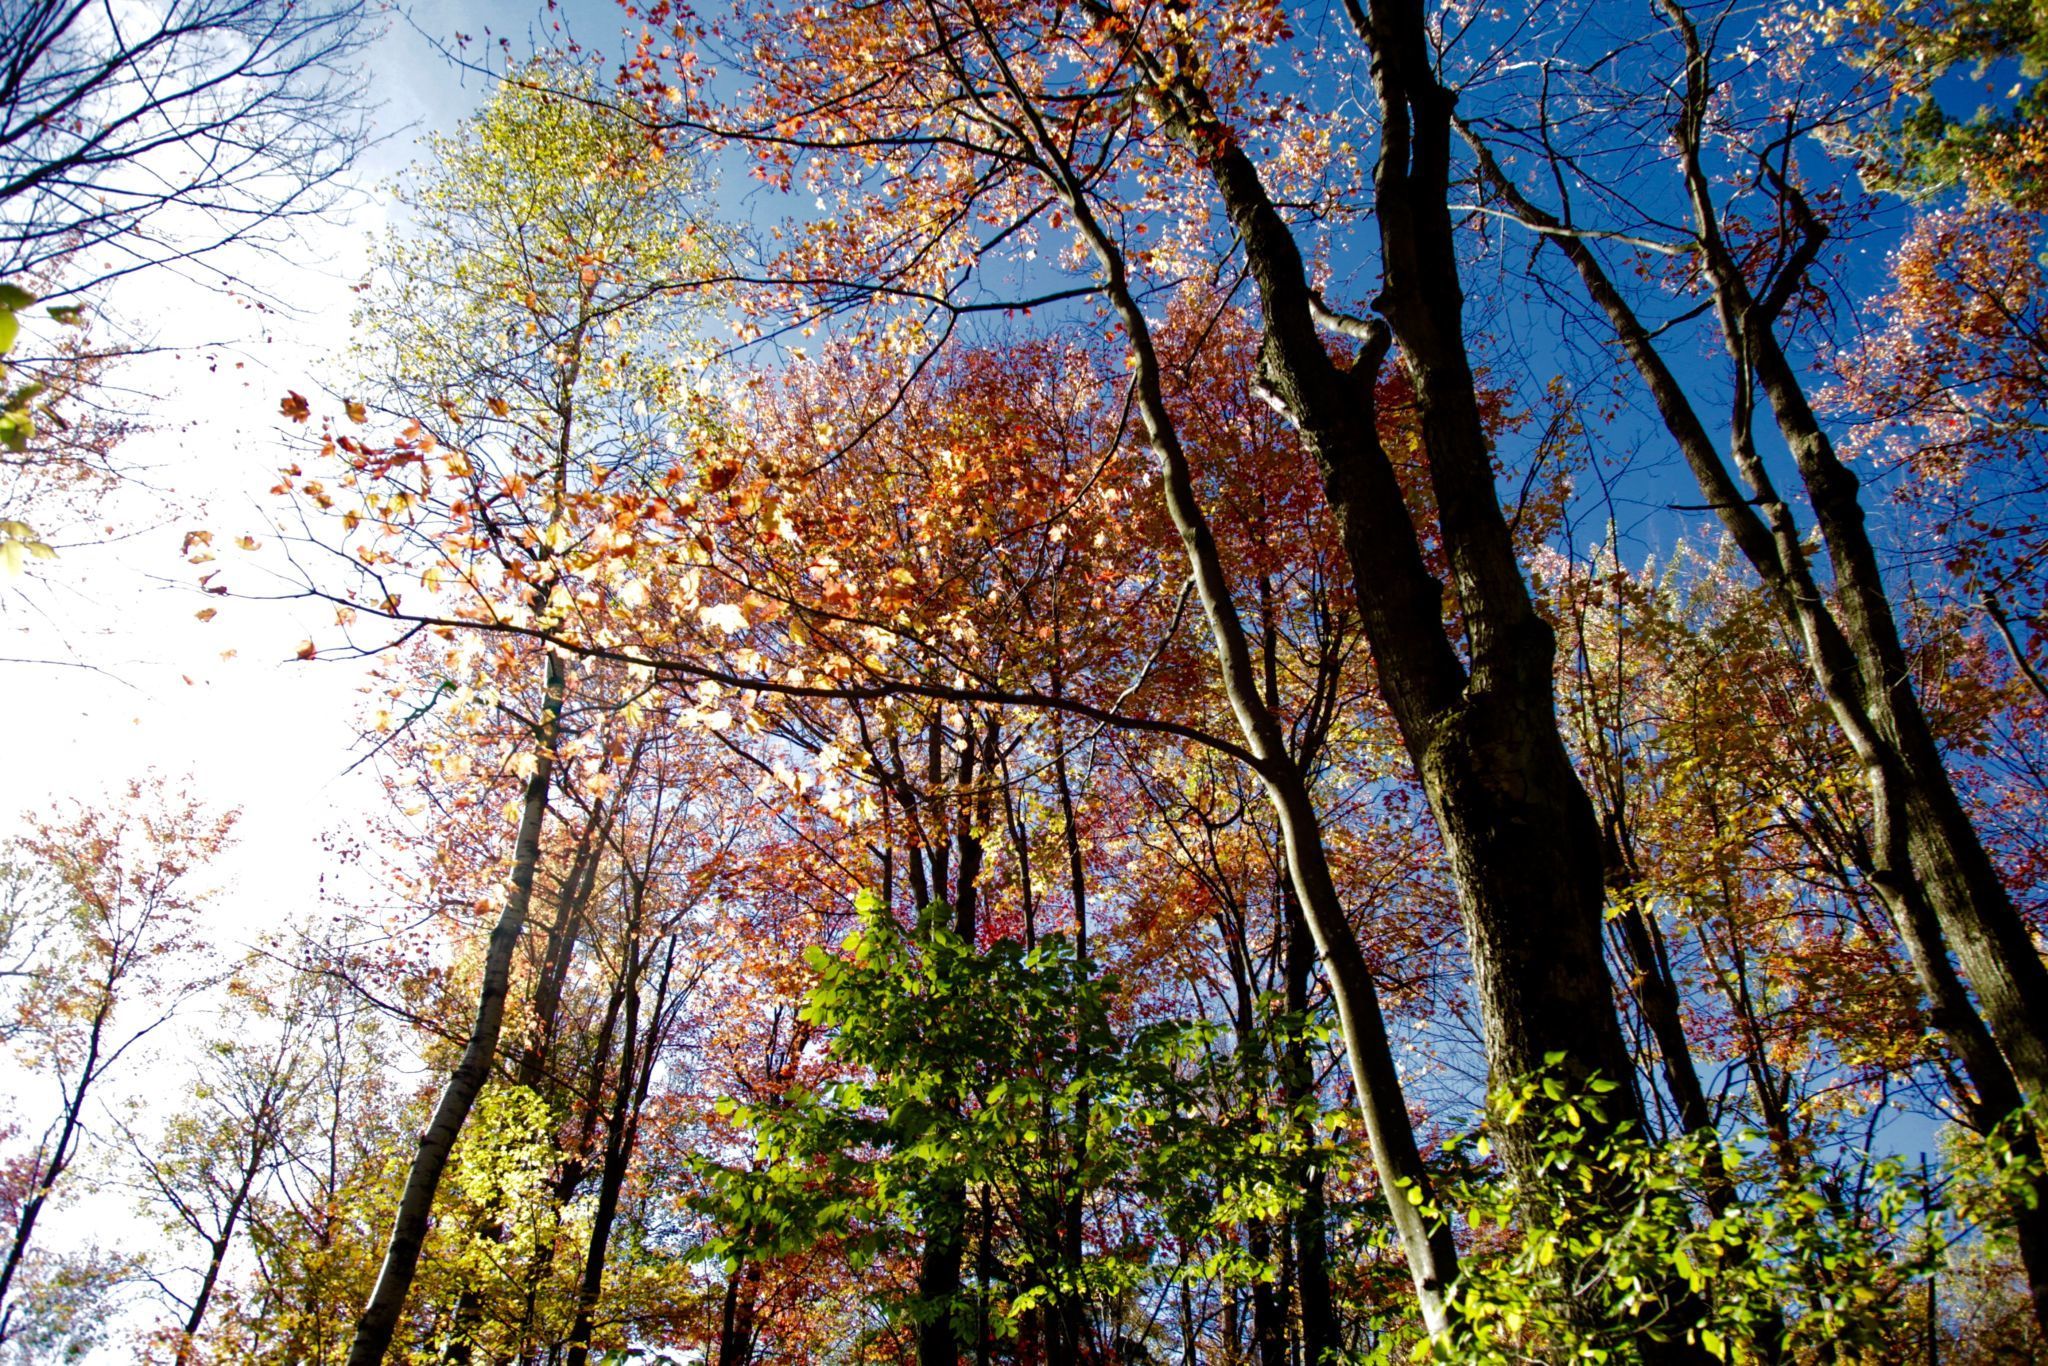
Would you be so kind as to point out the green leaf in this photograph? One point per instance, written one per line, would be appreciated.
(15, 430)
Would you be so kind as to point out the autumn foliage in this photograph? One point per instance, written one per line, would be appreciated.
(1088, 723)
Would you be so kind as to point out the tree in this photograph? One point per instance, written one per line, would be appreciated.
(1153, 621)
(907, 100)
(1751, 258)
(1923, 140)
(540, 230)
(313, 1223)
(936, 1095)
(110, 959)
(136, 139)
(204, 1172)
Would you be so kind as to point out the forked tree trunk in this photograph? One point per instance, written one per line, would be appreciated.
(1522, 840)
(1936, 852)
(1482, 731)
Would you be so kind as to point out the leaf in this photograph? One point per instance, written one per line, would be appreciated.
(357, 413)
(18, 545)
(307, 649)
(726, 616)
(207, 613)
(295, 407)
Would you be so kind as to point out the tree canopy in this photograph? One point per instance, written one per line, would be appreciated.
(1119, 683)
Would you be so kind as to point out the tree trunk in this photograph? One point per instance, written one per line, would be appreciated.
(1431, 1254)
(1926, 861)
(1073, 1308)
(943, 1220)
(636, 1070)
(1319, 1338)
(736, 1319)
(379, 1321)
(1522, 841)
(1520, 831)
(1269, 1309)
(1657, 997)
(217, 1251)
(572, 899)
(1853, 647)
(46, 1174)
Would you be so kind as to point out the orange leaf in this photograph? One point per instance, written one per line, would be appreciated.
(295, 407)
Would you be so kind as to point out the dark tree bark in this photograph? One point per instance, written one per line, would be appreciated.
(1924, 844)
(1072, 1328)
(636, 1073)
(1924, 857)
(736, 1317)
(379, 1321)
(1319, 1331)
(943, 1220)
(1520, 833)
